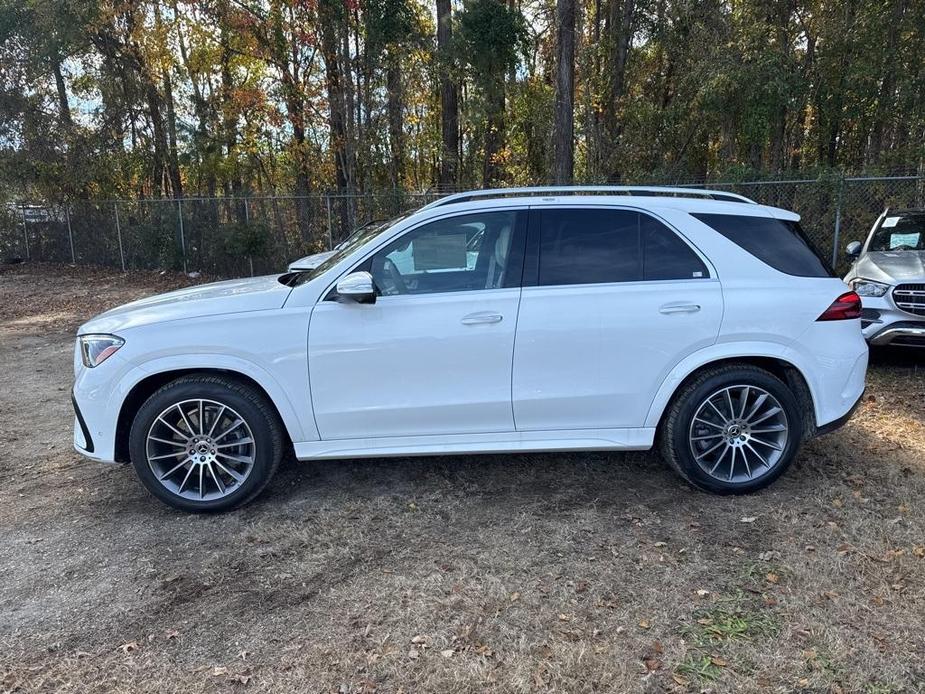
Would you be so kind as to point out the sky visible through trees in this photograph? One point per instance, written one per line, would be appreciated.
(179, 98)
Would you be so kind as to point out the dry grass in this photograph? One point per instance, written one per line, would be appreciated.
(559, 572)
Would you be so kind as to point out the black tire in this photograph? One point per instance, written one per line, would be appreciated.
(248, 402)
(674, 443)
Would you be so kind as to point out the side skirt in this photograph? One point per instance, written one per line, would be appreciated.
(636, 439)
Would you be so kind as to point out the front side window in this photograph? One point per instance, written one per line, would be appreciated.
(598, 246)
(454, 254)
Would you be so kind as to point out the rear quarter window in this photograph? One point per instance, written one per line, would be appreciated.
(780, 243)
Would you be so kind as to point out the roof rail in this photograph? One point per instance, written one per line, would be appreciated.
(667, 191)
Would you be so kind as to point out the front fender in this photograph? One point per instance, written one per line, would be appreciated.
(278, 395)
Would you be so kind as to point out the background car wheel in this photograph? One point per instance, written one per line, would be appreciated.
(732, 430)
(206, 443)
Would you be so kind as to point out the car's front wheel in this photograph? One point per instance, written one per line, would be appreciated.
(206, 443)
(732, 430)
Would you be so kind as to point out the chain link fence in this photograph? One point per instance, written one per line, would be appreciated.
(260, 235)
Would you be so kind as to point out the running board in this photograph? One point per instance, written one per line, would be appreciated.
(634, 439)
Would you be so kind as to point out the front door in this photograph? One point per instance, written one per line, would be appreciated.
(612, 300)
(432, 355)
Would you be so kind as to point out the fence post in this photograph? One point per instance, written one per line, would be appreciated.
(25, 232)
(119, 235)
(838, 203)
(182, 237)
(70, 232)
(327, 197)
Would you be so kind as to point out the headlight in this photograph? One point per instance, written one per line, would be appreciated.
(95, 349)
(869, 288)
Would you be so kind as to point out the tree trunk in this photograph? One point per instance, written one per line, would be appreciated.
(886, 93)
(330, 20)
(620, 32)
(394, 88)
(564, 127)
(494, 133)
(449, 100)
(173, 159)
(64, 109)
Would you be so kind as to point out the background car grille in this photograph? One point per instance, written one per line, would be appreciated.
(910, 298)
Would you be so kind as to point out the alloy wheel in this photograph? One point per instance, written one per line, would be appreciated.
(739, 433)
(200, 450)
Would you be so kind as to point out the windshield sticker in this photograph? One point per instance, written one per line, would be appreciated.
(899, 240)
(890, 222)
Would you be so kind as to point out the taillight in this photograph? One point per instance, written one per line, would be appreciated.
(845, 307)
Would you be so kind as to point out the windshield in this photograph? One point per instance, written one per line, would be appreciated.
(900, 232)
(357, 239)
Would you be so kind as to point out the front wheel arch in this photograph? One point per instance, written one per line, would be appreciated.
(146, 387)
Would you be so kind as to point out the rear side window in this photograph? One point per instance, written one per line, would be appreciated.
(597, 246)
(780, 243)
(667, 257)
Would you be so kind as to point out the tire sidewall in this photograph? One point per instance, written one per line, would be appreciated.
(174, 393)
(692, 401)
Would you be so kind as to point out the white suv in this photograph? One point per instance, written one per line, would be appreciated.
(493, 321)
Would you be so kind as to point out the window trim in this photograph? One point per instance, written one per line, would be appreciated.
(532, 252)
(517, 252)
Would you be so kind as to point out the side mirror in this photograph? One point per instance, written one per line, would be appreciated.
(853, 250)
(358, 287)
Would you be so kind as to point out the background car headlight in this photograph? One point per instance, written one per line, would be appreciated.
(869, 288)
(95, 349)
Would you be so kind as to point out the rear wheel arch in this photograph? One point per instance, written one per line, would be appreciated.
(783, 370)
(149, 385)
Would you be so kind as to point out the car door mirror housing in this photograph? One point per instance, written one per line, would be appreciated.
(358, 287)
(853, 250)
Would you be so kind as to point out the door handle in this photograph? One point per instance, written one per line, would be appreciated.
(481, 317)
(679, 308)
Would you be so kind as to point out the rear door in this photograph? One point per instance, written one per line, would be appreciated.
(613, 298)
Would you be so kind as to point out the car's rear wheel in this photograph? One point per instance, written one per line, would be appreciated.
(732, 430)
(206, 443)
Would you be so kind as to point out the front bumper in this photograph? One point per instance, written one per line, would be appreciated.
(900, 333)
(83, 441)
(882, 323)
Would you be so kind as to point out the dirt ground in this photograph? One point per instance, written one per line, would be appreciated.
(555, 572)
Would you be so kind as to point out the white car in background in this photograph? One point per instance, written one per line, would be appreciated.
(556, 319)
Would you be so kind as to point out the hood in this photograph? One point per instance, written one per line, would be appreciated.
(891, 266)
(310, 262)
(233, 296)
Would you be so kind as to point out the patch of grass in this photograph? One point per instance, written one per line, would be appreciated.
(879, 688)
(699, 668)
(718, 625)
